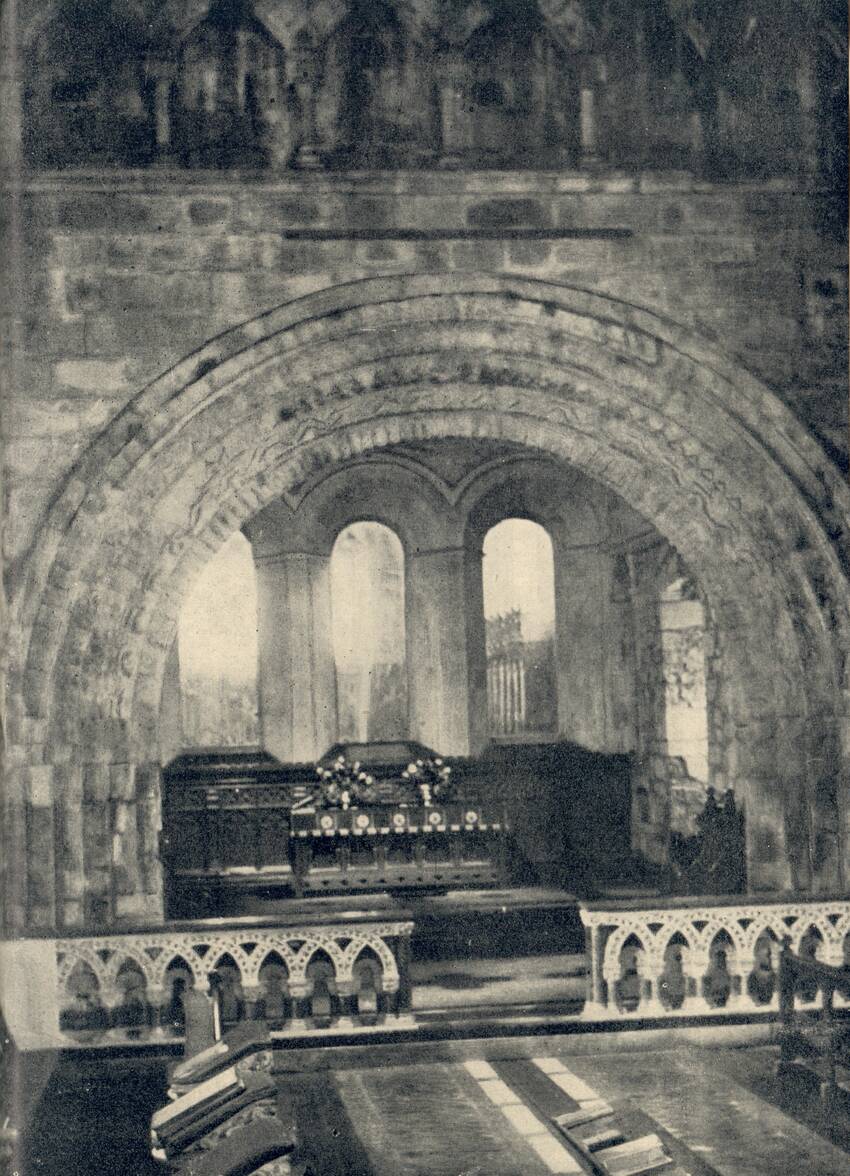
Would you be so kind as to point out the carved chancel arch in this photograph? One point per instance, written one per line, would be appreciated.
(653, 412)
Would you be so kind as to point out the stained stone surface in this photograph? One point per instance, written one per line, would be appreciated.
(718, 1112)
(188, 345)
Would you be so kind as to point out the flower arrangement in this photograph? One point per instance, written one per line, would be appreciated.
(431, 777)
(343, 784)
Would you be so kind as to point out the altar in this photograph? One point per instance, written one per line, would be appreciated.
(240, 827)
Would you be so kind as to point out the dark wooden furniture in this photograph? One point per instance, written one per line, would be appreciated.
(237, 821)
(814, 1044)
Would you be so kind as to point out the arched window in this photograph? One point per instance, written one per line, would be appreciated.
(519, 615)
(217, 642)
(367, 606)
(683, 647)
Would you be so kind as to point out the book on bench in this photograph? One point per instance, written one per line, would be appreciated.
(597, 1108)
(646, 1154)
(244, 1151)
(206, 1106)
(245, 1038)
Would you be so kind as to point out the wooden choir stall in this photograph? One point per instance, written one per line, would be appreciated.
(368, 817)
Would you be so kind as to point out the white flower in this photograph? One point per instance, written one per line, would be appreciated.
(370, 779)
(438, 762)
(411, 769)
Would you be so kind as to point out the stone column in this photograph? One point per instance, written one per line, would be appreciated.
(297, 681)
(582, 594)
(305, 79)
(170, 727)
(806, 87)
(650, 830)
(453, 115)
(438, 665)
(163, 73)
(588, 121)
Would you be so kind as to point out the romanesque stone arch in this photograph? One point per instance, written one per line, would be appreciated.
(693, 442)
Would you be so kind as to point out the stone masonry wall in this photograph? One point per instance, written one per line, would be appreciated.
(120, 278)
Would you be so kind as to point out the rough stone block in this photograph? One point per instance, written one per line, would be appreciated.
(529, 253)
(508, 212)
(68, 784)
(45, 336)
(147, 782)
(15, 783)
(40, 862)
(261, 210)
(586, 254)
(601, 211)
(148, 818)
(156, 338)
(58, 418)
(367, 212)
(96, 783)
(33, 379)
(205, 212)
(386, 253)
(100, 377)
(104, 210)
(163, 292)
(122, 781)
(13, 866)
(38, 217)
(84, 293)
(97, 838)
(71, 851)
(125, 848)
(315, 256)
(78, 251)
(432, 255)
(724, 249)
(293, 211)
(40, 786)
(133, 906)
(478, 255)
(72, 913)
(98, 900)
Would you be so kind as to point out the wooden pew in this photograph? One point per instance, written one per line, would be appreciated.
(814, 1048)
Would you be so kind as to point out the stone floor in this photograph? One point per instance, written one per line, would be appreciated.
(471, 1108)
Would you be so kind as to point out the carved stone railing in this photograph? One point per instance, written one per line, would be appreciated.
(687, 958)
(136, 988)
(709, 956)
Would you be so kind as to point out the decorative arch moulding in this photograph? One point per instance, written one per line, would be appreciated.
(652, 411)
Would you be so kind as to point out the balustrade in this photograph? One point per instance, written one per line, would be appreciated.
(688, 959)
(705, 958)
(144, 988)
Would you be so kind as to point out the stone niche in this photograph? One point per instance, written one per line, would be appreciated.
(378, 84)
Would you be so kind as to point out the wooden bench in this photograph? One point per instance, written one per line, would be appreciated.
(814, 1045)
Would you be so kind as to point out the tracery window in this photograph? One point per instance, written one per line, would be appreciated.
(519, 615)
(683, 648)
(369, 640)
(217, 643)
